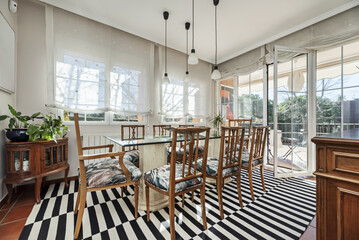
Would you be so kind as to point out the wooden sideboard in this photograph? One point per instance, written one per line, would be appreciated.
(337, 172)
(27, 161)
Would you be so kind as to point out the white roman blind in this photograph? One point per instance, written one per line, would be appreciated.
(185, 99)
(97, 67)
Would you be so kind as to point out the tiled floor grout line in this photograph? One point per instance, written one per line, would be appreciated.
(12, 206)
(13, 221)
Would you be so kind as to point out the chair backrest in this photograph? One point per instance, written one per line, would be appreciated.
(191, 138)
(185, 125)
(78, 135)
(230, 155)
(258, 143)
(241, 122)
(161, 130)
(132, 132)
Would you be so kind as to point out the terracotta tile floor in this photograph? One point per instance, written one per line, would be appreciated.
(13, 216)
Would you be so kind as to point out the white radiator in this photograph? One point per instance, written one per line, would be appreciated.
(89, 140)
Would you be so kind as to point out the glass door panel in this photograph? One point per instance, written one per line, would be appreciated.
(290, 105)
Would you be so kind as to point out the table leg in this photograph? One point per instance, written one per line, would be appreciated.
(38, 189)
(9, 193)
(151, 156)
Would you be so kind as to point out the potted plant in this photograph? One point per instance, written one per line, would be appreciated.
(217, 121)
(50, 129)
(18, 124)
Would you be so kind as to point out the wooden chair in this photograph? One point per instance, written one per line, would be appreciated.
(177, 179)
(255, 157)
(132, 132)
(162, 130)
(122, 172)
(227, 164)
(241, 122)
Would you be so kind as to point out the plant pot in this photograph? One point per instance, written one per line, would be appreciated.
(17, 135)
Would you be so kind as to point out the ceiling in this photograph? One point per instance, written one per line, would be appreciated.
(242, 24)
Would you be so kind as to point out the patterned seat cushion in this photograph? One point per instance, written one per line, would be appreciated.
(245, 160)
(212, 167)
(108, 172)
(159, 178)
(200, 149)
(179, 151)
(132, 156)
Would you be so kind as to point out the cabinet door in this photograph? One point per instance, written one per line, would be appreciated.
(341, 210)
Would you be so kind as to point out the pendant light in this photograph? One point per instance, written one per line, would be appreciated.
(165, 78)
(192, 58)
(187, 26)
(215, 74)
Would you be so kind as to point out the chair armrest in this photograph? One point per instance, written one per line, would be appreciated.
(110, 146)
(101, 155)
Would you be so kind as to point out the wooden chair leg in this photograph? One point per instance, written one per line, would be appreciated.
(148, 203)
(136, 201)
(250, 182)
(65, 176)
(262, 176)
(203, 203)
(81, 212)
(77, 201)
(192, 196)
(239, 189)
(183, 200)
(220, 203)
(123, 189)
(172, 216)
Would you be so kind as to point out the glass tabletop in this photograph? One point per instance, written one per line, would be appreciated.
(149, 140)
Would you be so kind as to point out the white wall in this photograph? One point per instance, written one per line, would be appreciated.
(32, 73)
(5, 99)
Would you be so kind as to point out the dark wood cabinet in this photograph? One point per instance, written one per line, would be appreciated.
(337, 175)
(33, 161)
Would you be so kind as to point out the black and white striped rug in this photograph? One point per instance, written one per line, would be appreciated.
(283, 212)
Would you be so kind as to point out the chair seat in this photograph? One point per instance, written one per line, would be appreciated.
(108, 172)
(132, 156)
(245, 160)
(212, 167)
(179, 152)
(159, 178)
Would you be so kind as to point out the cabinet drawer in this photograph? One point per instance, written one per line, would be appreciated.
(342, 161)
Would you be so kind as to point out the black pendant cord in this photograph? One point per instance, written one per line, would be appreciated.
(165, 46)
(186, 51)
(192, 24)
(215, 33)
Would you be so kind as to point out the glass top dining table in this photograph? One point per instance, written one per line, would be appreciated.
(153, 154)
(150, 140)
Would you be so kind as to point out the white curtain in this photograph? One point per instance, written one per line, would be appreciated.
(333, 31)
(96, 67)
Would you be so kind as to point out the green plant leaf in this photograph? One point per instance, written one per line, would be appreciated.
(12, 110)
(3, 117)
(35, 115)
(12, 123)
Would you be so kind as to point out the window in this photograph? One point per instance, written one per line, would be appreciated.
(338, 89)
(125, 89)
(226, 95)
(80, 83)
(250, 96)
(172, 99)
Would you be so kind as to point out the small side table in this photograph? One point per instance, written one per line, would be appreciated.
(27, 161)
